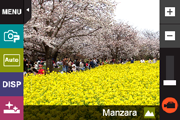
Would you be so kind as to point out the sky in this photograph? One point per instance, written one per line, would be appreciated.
(142, 14)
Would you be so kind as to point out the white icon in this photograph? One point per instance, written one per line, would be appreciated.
(11, 60)
(11, 11)
(11, 84)
(149, 114)
(27, 9)
(11, 36)
(170, 11)
(169, 82)
(11, 111)
(170, 35)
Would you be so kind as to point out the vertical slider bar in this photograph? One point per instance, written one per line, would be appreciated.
(169, 72)
(170, 67)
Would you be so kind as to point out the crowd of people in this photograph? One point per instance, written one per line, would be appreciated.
(33, 67)
(69, 65)
(77, 65)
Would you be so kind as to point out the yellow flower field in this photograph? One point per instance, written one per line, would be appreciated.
(118, 84)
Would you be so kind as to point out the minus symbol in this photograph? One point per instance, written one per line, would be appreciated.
(169, 35)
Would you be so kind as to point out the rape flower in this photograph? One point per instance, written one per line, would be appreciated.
(117, 84)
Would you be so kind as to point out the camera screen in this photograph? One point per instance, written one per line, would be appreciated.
(88, 59)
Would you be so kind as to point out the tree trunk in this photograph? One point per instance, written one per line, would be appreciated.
(51, 52)
(49, 64)
(55, 56)
(33, 57)
(116, 55)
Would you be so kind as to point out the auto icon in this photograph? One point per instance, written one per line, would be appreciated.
(170, 105)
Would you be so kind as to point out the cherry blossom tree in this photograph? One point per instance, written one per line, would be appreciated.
(83, 27)
(149, 44)
(117, 41)
(121, 40)
(54, 22)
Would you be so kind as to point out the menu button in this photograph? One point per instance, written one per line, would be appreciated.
(11, 11)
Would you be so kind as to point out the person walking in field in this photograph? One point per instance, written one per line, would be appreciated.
(64, 65)
(92, 65)
(81, 65)
(41, 71)
(69, 63)
(106, 61)
(74, 68)
(127, 60)
(84, 64)
(87, 64)
(69, 69)
(132, 61)
(142, 61)
(98, 62)
(77, 64)
(29, 65)
(120, 61)
(95, 62)
(149, 60)
(36, 65)
(154, 60)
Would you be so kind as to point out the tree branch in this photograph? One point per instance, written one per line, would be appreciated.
(67, 38)
(61, 21)
(35, 49)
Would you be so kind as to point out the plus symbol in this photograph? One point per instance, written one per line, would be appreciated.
(169, 11)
